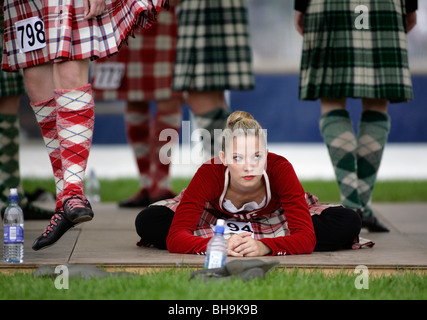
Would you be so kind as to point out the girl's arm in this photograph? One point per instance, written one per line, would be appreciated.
(302, 239)
(181, 238)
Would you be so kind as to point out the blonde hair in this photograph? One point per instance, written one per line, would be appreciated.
(242, 123)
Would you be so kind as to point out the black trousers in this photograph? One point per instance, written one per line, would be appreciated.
(335, 228)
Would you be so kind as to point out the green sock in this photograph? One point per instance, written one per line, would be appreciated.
(339, 137)
(373, 132)
(9, 156)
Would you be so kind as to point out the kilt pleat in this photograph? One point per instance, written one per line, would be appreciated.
(148, 59)
(70, 37)
(213, 46)
(342, 59)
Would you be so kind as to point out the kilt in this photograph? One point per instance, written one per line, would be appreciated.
(11, 84)
(66, 34)
(213, 46)
(148, 61)
(354, 54)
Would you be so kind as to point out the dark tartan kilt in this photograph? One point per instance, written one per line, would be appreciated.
(213, 46)
(341, 60)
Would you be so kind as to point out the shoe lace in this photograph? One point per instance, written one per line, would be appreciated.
(75, 202)
(52, 224)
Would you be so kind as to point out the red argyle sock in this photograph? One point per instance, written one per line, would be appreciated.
(75, 121)
(160, 152)
(45, 112)
(138, 133)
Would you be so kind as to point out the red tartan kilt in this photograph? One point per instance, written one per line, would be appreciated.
(68, 35)
(149, 62)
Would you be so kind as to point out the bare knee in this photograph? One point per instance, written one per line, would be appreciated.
(379, 105)
(39, 82)
(71, 74)
(330, 104)
(205, 101)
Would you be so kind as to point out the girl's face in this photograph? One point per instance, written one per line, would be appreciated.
(246, 159)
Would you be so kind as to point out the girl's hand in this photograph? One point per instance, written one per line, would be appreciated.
(243, 245)
(411, 20)
(93, 8)
(299, 22)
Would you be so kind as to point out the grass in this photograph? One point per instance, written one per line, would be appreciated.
(175, 284)
(327, 191)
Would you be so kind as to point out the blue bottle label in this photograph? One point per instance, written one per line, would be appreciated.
(13, 234)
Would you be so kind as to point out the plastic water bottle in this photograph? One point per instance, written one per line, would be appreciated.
(92, 188)
(216, 253)
(13, 247)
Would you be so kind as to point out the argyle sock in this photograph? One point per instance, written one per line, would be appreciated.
(45, 112)
(338, 135)
(75, 121)
(373, 131)
(159, 170)
(138, 134)
(215, 119)
(9, 156)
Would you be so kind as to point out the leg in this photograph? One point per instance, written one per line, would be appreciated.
(45, 110)
(336, 228)
(211, 112)
(339, 137)
(152, 225)
(39, 90)
(9, 148)
(9, 165)
(168, 117)
(137, 119)
(66, 120)
(75, 122)
(374, 127)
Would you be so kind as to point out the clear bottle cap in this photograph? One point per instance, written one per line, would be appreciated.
(220, 222)
(13, 195)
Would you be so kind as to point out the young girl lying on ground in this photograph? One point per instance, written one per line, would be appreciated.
(258, 193)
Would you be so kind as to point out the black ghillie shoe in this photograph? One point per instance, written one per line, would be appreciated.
(57, 226)
(372, 223)
(32, 212)
(77, 210)
(139, 200)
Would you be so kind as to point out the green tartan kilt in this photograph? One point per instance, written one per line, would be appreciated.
(355, 54)
(213, 46)
(11, 83)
